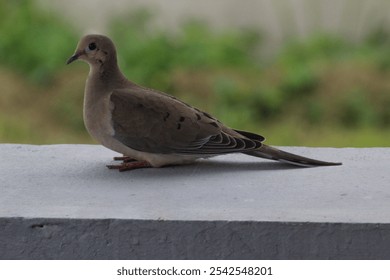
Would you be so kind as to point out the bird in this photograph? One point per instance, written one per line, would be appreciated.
(151, 128)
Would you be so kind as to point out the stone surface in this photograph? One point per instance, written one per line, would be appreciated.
(60, 201)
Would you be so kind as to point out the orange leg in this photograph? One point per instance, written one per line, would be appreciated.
(125, 166)
(125, 159)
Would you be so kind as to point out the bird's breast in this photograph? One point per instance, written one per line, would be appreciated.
(97, 117)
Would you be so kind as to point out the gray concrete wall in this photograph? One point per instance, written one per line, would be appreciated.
(153, 239)
(61, 202)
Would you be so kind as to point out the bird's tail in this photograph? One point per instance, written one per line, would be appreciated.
(269, 152)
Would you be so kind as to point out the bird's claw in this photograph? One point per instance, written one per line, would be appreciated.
(124, 159)
(130, 165)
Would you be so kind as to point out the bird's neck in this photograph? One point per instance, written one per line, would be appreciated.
(106, 76)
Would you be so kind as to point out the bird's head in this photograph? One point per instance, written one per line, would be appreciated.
(95, 50)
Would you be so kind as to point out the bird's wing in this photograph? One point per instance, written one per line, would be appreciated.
(150, 121)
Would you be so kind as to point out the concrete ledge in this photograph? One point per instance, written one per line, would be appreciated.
(60, 202)
(151, 239)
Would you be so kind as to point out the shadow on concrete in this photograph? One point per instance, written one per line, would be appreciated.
(208, 167)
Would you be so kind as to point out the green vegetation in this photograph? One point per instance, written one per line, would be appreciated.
(32, 42)
(152, 57)
(323, 91)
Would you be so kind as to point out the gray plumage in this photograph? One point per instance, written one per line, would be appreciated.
(153, 127)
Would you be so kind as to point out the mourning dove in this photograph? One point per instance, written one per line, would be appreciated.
(151, 128)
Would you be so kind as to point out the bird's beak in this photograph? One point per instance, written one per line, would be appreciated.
(74, 57)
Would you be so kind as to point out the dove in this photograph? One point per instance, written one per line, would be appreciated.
(154, 129)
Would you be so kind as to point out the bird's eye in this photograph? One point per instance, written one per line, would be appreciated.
(92, 46)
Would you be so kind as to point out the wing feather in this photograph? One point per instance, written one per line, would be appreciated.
(150, 121)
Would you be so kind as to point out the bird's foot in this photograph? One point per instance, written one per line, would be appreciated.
(133, 164)
(125, 159)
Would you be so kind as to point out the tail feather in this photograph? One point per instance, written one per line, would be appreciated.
(269, 152)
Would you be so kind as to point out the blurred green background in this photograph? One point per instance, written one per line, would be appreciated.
(321, 89)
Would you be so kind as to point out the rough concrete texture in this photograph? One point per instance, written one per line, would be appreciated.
(61, 202)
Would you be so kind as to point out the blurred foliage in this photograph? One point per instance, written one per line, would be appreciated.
(32, 41)
(323, 90)
(151, 56)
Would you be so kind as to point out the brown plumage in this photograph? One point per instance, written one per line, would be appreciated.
(154, 128)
